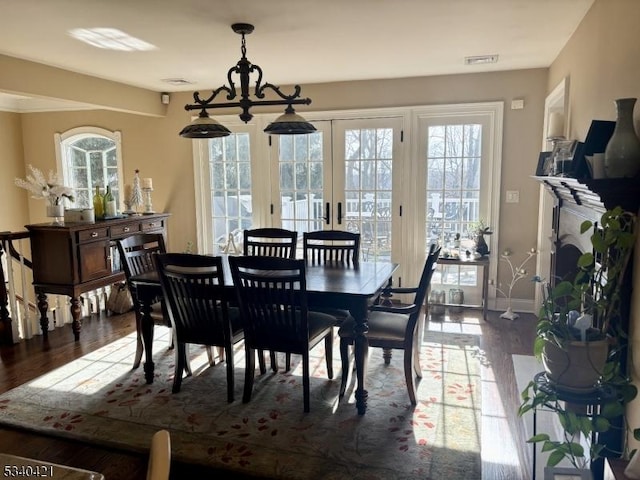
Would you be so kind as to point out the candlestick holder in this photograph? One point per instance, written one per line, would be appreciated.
(148, 207)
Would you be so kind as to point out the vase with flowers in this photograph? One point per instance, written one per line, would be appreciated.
(49, 189)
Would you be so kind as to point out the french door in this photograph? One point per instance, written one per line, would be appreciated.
(345, 176)
(455, 177)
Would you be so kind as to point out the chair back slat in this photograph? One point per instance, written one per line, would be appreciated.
(270, 242)
(273, 302)
(194, 290)
(425, 281)
(137, 251)
(331, 246)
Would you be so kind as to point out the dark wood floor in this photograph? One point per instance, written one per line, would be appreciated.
(504, 453)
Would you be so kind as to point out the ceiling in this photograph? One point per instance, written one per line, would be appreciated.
(295, 41)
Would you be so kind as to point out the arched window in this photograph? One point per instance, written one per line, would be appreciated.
(90, 157)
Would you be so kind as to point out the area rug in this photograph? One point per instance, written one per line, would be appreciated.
(99, 399)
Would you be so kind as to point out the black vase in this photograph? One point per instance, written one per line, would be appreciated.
(481, 245)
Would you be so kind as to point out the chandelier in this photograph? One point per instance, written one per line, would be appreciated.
(288, 123)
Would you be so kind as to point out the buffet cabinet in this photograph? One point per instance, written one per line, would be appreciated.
(75, 258)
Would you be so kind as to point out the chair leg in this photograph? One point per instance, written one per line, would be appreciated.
(139, 345)
(230, 377)
(386, 355)
(344, 356)
(187, 363)
(212, 360)
(249, 373)
(139, 351)
(180, 356)
(263, 367)
(417, 368)
(305, 381)
(328, 347)
(287, 362)
(274, 361)
(408, 375)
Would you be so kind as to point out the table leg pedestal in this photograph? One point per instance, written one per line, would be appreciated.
(76, 315)
(43, 306)
(361, 353)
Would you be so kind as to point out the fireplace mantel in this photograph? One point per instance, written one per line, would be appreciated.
(600, 194)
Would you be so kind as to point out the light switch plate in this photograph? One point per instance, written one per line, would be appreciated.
(513, 196)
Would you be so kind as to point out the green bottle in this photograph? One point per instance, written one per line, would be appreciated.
(98, 204)
(109, 203)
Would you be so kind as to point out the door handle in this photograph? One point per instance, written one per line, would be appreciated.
(327, 213)
(339, 213)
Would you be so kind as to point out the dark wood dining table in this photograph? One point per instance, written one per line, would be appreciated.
(352, 287)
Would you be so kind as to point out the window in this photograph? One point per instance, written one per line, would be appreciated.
(90, 157)
(230, 167)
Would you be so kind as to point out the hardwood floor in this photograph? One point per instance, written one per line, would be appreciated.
(504, 453)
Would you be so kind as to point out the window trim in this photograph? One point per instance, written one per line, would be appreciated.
(90, 131)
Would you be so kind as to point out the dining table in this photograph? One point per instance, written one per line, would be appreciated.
(353, 287)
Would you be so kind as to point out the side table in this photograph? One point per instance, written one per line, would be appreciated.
(478, 262)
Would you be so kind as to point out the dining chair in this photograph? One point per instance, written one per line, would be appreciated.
(270, 242)
(331, 247)
(197, 302)
(395, 327)
(136, 254)
(272, 295)
(159, 464)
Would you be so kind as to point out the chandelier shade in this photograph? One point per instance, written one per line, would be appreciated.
(289, 123)
(205, 127)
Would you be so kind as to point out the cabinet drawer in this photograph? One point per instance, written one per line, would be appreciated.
(118, 231)
(151, 225)
(93, 234)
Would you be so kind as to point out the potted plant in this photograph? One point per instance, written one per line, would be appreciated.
(479, 229)
(581, 341)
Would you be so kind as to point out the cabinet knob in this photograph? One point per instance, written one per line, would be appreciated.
(94, 234)
(126, 229)
(152, 225)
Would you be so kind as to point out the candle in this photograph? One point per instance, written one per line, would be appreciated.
(147, 183)
(555, 128)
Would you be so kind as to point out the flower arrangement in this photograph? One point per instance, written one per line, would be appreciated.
(39, 187)
(518, 272)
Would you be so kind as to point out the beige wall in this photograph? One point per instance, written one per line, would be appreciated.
(13, 200)
(602, 61)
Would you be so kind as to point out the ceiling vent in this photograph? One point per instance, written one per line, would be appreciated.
(481, 59)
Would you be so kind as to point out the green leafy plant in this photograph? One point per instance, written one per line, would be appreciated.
(593, 295)
(595, 290)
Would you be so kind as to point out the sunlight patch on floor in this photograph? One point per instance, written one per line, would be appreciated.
(469, 325)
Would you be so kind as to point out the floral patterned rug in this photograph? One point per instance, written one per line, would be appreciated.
(100, 399)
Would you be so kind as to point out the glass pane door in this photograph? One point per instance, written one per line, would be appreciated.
(303, 167)
(366, 170)
(230, 180)
(456, 197)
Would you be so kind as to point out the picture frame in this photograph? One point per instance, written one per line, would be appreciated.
(562, 155)
(545, 165)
